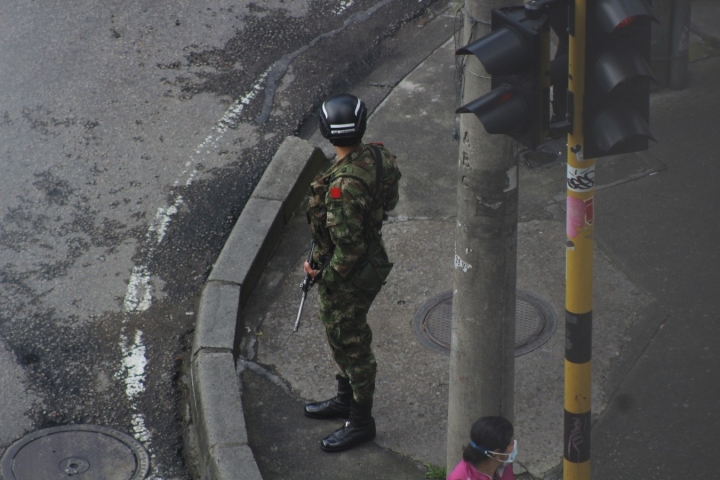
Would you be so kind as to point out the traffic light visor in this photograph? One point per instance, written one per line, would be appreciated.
(502, 52)
(619, 13)
(614, 68)
(502, 110)
(616, 126)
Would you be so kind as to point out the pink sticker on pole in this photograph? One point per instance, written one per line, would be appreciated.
(575, 216)
(589, 211)
(579, 213)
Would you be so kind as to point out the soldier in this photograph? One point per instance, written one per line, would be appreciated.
(347, 206)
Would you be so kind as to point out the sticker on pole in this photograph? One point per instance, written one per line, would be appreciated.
(580, 179)
(589, 211)
(580, 216)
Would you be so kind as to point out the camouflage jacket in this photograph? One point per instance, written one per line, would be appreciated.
(344, 213)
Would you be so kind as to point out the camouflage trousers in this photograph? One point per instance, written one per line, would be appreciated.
(343, 311)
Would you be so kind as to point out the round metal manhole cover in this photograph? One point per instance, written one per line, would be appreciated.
(81, 451)
(534, 322)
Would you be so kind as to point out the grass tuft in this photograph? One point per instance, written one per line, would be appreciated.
(435, 472)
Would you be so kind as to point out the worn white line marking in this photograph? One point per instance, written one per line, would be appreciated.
(133, 374)
(139, 292)
(344, 5)
(138, 296)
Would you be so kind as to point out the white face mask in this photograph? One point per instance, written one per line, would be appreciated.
(511, 456)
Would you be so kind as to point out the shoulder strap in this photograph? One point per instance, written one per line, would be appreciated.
(354, 172)
(363, 175)
(378, 171)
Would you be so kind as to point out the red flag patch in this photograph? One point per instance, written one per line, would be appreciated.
(335, 193)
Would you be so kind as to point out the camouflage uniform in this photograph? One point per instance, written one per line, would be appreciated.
(345, 216)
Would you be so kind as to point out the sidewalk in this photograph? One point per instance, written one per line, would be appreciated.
(280, 370)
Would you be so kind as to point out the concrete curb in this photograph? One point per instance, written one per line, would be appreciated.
(216, 404)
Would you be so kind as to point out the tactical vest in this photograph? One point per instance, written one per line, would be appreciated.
(317, 213)
(374, 185)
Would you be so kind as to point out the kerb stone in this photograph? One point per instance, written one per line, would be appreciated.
(217, 317)
(250, 245)
(217, 404)
(289, 173)
(233, 462)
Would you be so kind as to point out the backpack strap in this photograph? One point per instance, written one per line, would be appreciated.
(366, 177)
(355, 172)
(378, 172)
(363, 175)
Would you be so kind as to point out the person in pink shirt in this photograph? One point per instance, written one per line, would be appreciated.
(490, 454)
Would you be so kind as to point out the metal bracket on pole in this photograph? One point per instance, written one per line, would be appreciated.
(535, 8)
(558, 128)
(566, 126)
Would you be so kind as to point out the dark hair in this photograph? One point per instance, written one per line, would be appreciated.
(491, 434)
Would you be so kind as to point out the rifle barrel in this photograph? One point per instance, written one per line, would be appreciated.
(302, 304)
(307, 283)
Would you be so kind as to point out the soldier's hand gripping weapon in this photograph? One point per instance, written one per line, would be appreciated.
(306, 285)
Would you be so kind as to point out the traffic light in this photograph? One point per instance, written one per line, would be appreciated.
(517, 56)
(616, 104)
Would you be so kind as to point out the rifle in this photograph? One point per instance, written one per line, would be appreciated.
(306, 285)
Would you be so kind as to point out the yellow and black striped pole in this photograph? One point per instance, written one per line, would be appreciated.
(579, 265)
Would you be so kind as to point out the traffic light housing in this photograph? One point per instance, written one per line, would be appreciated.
(517, 56)
(616, 104)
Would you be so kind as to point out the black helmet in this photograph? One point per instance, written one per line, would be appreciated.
(343, 119)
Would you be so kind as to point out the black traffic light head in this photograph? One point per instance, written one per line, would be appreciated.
(502, 110)
(611, 14)
(504, 51)
(616, 105)
(516, 55)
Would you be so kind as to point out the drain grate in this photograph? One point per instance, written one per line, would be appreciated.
(534, 322)
(88, 451)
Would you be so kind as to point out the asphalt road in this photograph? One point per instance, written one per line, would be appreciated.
(131, 135)
(665, 405)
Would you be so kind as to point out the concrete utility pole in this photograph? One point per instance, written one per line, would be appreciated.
(482, 358)
(670, 42)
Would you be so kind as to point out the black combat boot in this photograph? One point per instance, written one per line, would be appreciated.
(336, 407)
(358, 429)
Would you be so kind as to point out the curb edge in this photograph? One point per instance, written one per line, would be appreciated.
(216, 406)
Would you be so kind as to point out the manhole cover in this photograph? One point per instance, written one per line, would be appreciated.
(88, 451)
(534, 322)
